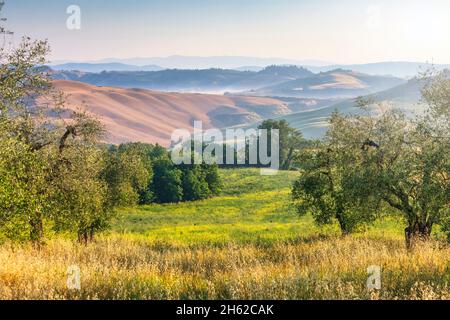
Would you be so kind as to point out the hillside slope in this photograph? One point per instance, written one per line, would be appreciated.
(314, 122)
(405, 97)
(150, 116)
(336, 84)
(206, 80)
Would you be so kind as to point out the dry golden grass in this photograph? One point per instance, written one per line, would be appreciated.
(117, 267)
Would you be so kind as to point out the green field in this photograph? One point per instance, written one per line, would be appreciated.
(251, 209)
(249, 243)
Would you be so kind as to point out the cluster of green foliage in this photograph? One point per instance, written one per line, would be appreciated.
(172, 184)
(55, 173)
(290, 141)
(128, 171)
(49, 162)
(139, 173)
(386, 160)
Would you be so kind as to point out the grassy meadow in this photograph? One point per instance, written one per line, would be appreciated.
(248, 243)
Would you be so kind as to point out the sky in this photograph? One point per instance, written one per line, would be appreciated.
(337, 31)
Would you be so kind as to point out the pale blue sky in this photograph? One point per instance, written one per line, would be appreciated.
(341, 31)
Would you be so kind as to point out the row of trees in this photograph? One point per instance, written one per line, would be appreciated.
(55, 175)
(290, 141)
(384, 162)
(138, 173)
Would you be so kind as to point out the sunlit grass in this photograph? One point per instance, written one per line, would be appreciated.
(117, 267)
(251, 209)
(248, 243)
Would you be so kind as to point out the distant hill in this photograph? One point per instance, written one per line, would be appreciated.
(280, 81)
(313, 122)
(337, 84)
(100, 67)
(274, 75)
(399, 69)
(405, 97)
(150, 116)
(207, 80)
(249, 68)
(223, 62)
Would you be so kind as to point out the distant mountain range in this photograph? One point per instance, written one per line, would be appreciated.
(395, 68)
(101, 67)
(205, 80)
(279, 81)
(192, 62)
(339, 83)
(406, 97)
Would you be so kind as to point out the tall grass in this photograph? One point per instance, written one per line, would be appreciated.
(330, 268)
(247, 244)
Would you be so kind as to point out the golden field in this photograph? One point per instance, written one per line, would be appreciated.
(121, 268)
(249, 243)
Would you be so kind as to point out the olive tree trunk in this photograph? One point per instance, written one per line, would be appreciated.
(417, 232)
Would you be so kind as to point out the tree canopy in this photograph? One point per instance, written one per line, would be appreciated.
(379, 160)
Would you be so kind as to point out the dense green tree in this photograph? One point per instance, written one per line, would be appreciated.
(387, 159)
(148, 154)
(167, 182)
(23, 133)
(24, 196)
(128, 172)
(212, 177)
(290, 140)
(195, 186)
(157, 152)
(80, 198)
(323, 187)
(37, 134)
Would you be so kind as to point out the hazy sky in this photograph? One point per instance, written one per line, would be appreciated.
(341, 31)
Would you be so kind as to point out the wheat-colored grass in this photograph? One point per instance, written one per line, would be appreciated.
(247, 244)
(117, 267)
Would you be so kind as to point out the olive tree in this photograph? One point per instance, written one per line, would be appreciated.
(127, 171)
(38, 161)
(408, 167)
(388, 159)
(290, 140)
(80, 196)
(326, 184)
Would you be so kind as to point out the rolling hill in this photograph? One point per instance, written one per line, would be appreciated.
(401, 69)
(150, 116)
(313, 122)
(405, 97)
(207, 80)
(133, 114)
(273, 81)
(335, 84)
(101, 67)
